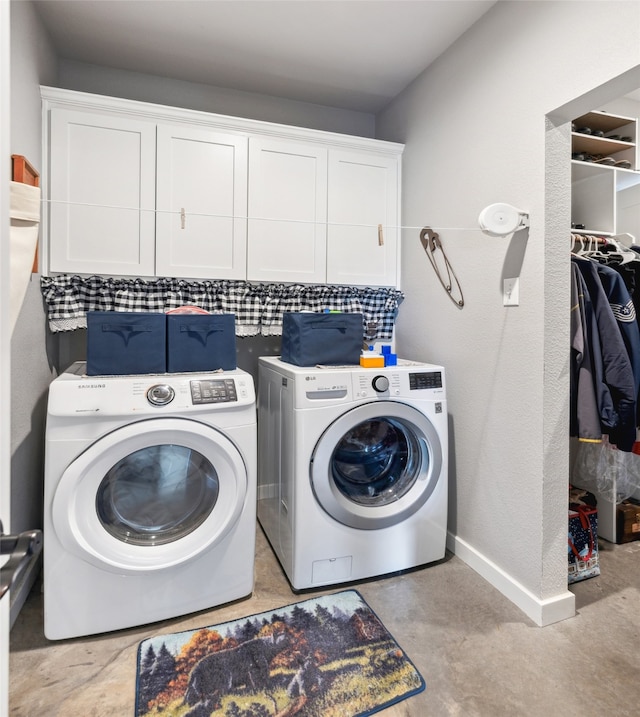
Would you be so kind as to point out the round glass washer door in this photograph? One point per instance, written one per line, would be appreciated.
(150, 495)
(376, 465)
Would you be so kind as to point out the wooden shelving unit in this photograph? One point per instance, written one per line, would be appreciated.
(23, 171)
(594, 186)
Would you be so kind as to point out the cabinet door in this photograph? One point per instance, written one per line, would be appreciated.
(102, 192)
(287, 211)
(363, 193)
(202, 204)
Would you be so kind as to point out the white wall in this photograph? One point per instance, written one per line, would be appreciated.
(32, 63)
(628, 212)
(475, 132)
(624, 106)
(206, 98)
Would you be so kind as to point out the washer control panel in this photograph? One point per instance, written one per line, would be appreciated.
(377, 385)
(425, 379)
(213, 390)
(394, 383)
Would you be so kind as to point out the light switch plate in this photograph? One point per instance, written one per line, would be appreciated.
(512, 291)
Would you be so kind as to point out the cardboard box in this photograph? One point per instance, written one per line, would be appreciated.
(628, 521)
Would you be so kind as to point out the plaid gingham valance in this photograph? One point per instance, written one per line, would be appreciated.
(258, 308)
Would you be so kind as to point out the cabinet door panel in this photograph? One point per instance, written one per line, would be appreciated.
(363, 193)
(202, 204)
(102, 191)
(287, 211)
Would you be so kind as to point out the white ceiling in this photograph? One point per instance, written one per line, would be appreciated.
(351, 54)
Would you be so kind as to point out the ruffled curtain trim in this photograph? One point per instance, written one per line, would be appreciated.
(258, 308)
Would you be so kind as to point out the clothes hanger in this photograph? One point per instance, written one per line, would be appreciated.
(626, 255)
(592, 250)
(577, 239)
(588, 245)
(615, 249)
(627, 240)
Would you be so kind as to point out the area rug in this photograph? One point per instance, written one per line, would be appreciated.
(325, 657)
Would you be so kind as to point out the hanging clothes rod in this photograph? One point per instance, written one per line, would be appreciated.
(584, 241)
(585, 237)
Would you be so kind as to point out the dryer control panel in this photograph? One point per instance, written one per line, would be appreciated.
(74, 393)
(215, 390)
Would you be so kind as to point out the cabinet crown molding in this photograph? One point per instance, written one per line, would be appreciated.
(57, 97)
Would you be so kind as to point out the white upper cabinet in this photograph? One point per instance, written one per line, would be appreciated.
(102, 194)
(315, 213)
(362, 231)
(119, 206)
(201, 228)
(137, 189)
(287, 211)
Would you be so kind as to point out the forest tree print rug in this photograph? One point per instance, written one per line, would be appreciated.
(325, 657)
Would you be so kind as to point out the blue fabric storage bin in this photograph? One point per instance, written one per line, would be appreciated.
(201, 342)
(126, 342)
(309, 339)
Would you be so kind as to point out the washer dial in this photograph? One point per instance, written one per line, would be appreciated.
(160, 395)
(380, 384)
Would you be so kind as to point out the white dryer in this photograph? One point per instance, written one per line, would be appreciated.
(150, 497)
(352, 479)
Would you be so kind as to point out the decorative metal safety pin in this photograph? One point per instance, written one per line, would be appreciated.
(431, 243)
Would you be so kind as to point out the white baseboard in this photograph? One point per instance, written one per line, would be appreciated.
(542, 612)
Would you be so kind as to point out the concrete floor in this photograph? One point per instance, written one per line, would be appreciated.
(480, 656)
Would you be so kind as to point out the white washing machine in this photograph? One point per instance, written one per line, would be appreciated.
(150, 497)
(352, 479)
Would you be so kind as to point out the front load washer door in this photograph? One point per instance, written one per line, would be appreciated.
(376, 465)
(150, 495)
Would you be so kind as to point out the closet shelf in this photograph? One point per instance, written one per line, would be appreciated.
(592, 232)
(604, 121)
(598, 145)
(596, 188)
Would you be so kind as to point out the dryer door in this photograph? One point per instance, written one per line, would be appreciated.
(150, 495)
(376, 465)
